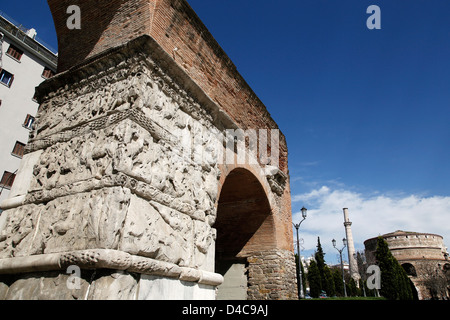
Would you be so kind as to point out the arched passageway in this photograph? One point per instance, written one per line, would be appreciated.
(409, 269)
(244, 225)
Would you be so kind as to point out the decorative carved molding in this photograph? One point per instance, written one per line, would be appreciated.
(106, 259)
(136, 115)
(142, 57)
(141, 188)
(277, 180)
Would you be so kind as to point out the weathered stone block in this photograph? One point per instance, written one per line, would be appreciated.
(158, 288)
(128, 163)
(114, 286)
(148, 234)
(47, 286)
(76, 222)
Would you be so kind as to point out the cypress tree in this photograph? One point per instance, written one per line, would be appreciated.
(314, 280)
(394, 280)
(330, 287)
(338, 284)
(320, 259)
(404, 284)
(326, 278)
(351, 288)
(386, 263)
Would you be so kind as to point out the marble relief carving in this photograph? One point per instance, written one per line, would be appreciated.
(112, 174)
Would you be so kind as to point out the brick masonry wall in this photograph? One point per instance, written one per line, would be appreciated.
(104, 25)
(179, 31)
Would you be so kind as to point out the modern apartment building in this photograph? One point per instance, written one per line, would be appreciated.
(24, 63)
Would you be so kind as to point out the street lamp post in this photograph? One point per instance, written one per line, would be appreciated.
(342, 264)
(301, 294)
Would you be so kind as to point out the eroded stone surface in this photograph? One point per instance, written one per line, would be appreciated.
(127, 162)
(114, 286)
(46, 286)
(81, 221)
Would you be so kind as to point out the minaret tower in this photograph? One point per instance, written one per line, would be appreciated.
(351, 248)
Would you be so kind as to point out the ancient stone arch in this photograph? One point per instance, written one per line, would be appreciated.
(244, 226)
(409, 269)
(126, 177)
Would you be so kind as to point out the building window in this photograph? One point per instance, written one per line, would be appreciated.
(14, 52)
(48, 73)
(6, 78)
(29, 120)
(7, 180)
(19, 149)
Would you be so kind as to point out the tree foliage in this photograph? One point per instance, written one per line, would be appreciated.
(315, 283)
(395, 284)
(320, 276)
(338, 283)
(328, 281)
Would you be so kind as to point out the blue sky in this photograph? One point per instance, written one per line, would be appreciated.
(365, 112)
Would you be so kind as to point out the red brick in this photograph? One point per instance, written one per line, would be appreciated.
(173, 24)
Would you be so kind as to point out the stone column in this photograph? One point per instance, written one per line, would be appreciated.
(353, 265)
(106, 189)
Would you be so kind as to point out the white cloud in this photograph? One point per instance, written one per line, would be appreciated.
(311, 195)
(371, 215)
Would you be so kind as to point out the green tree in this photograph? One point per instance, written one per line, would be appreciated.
(326, 279)
(329, 287)
(314, 279)
(319, 256)
(338, 284)
(394, 280)
(404, 284)
(352, 290)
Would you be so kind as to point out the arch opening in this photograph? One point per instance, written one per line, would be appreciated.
(410, 269)
(244, 226)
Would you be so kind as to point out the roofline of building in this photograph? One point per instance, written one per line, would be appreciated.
(415, 247)
(45, 54)
(413, 259)
(404, 233)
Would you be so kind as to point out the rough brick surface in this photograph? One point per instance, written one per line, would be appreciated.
(104, 25)
(154, 63)
(179, 31)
